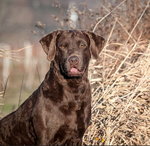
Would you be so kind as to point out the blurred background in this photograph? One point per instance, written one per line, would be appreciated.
(125, 24)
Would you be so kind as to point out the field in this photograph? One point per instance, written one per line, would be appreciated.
(120, 78)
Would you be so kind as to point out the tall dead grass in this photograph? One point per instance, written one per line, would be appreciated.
(121, 97)
(120, 82)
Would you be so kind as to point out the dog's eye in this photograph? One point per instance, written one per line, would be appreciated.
(62, 46)
(82, 45)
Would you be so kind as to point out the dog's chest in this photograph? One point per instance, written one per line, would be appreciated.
(72, 115)
(66, 114)
(72, 101)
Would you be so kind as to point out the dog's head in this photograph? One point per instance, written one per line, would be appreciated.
(72, 50)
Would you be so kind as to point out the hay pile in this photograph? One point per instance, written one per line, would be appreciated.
(121, 96)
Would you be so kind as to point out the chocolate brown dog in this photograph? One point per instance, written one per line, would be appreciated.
(59, 111)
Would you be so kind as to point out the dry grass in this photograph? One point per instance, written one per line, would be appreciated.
(1, 100)
(121, 95)
(120, 82)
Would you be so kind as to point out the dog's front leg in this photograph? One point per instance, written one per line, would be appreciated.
(42, 140)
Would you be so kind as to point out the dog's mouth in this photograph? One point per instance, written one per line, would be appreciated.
(71, 71)
(75, 72)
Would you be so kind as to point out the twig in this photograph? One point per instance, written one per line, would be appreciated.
(21, 91)
(5, 87)
(107, 16)
(137, 22)
(111, 32)
(38, 74)
(121, 25)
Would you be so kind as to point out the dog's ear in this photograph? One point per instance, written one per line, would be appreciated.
(48, 43)
(96, 43)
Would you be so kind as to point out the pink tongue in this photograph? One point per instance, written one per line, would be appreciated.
(73, 70)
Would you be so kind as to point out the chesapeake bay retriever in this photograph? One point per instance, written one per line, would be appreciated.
(59, 111)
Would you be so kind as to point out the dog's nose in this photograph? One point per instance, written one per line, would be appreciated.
(74, 60)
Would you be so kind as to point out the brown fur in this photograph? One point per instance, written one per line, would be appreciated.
(59, 111)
